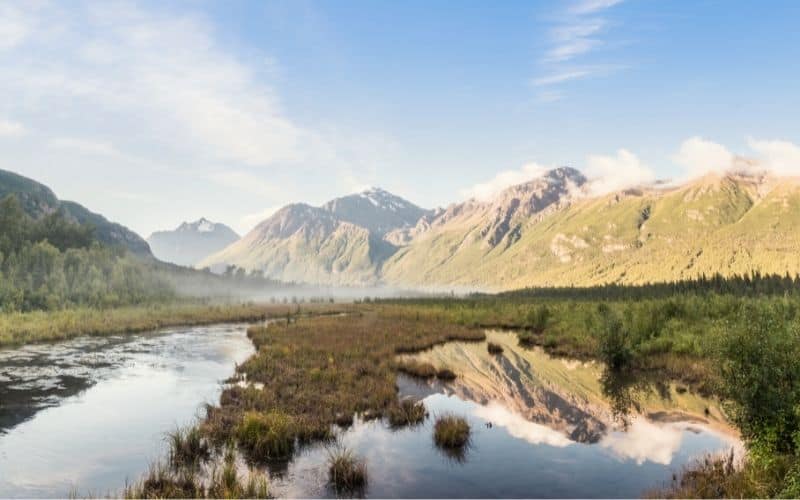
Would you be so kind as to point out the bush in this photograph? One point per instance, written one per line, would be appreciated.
(759, 360)
(613, 340)
(538, 318)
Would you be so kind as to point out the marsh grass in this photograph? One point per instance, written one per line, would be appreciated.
(41, 326)
(451, 432)
(347, 473)
(267, 436)
(406, 413)
(190, 481)
(417, 369)
(187, 448)
(316, 370)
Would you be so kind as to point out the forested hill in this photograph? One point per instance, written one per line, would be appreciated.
(37, 201)
(52, 262)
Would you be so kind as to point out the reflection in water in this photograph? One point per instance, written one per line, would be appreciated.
(541, 427)
(105, 426)
(520, 428)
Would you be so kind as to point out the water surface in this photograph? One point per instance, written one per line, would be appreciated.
(85, 415)
(541, 427)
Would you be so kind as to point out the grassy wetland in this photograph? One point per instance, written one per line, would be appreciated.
(322, 368)
(314, 373)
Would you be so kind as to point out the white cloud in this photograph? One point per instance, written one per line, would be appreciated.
(700, 156)
(646, 442)
(778, 156)
(578, 33)
(15, 25)
(165, 76)
(487, 190)
(521, 428)
(571, 49)
(83, 146)
(11, 129)
(592, 6)
(613, 173)
(560, 77)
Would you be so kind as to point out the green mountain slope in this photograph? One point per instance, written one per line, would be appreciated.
(727, 224)
(301, 243)
(38, 200)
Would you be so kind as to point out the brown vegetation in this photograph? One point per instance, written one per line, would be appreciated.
(317, 370)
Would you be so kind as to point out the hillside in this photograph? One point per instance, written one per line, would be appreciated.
(38, 200)
(731, 224)
(191, 242)
(340, 243)
(549, 231)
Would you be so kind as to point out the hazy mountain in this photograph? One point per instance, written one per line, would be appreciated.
(191, 242)
(339, 243)
(548, 231)
(37, 200)
(375, 210)
(721, 223)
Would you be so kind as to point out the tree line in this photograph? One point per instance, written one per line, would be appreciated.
(53, 263)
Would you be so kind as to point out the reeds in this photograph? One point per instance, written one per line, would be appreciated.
(451, 431)
(406, 413)
(347, 473)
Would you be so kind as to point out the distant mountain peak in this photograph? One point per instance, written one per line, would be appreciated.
(191, 242)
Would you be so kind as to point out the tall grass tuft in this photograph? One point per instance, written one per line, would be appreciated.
(267, 436)
(187, 448)
(405, 413)
(347, 473)
(451, 431)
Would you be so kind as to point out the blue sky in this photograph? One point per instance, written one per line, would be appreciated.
(153, 114)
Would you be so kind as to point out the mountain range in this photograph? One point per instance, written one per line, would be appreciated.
(190, 242)
(553, 230)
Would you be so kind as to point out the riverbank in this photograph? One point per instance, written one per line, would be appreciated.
(45, 326)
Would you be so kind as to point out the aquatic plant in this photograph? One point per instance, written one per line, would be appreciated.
(267, 436)
(406, 412)
(347, 473)
(187, 448)
(451, 431)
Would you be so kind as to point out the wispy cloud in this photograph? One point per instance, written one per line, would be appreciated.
(485, 191)
(591, 6)
(577, 34)
(560, 77)
(83, 146)
(11, 129)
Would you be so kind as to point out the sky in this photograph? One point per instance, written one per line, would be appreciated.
(154, 113)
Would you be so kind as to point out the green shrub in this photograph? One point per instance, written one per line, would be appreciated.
(759, 360)
(613, 339)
